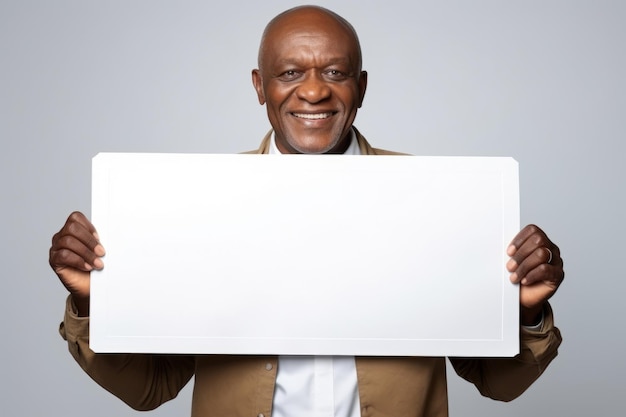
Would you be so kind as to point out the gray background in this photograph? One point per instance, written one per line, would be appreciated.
(542, 81)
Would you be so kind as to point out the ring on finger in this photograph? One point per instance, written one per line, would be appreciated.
(549, 261)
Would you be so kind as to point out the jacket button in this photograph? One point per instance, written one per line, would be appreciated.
(268, 367)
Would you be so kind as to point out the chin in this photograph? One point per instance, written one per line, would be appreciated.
(313, 150)
(314, 146)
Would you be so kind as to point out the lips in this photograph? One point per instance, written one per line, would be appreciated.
(313, 116)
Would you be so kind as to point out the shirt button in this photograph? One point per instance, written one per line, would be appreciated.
(268, 367)
(260, 415)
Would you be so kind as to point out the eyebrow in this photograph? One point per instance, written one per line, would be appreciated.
(332, 61)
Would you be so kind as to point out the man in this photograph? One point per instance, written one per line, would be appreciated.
(311, 81)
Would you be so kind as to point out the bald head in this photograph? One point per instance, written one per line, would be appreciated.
(303, 17)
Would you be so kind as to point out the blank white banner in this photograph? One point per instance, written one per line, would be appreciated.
(305, 254)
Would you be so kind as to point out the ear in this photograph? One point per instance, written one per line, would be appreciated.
(362, 87)
(257, 81)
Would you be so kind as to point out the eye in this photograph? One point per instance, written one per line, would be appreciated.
(336, 75)
(289, 75)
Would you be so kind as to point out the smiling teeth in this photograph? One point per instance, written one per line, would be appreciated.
(316, 116)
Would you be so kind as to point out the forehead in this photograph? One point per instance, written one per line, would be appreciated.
(301, 36)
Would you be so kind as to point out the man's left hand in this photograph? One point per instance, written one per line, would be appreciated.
(537, 266)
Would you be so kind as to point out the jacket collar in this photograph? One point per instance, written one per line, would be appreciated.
(364, 146)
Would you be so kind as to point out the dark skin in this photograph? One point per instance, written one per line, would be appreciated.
(311, 80)
(75, 252)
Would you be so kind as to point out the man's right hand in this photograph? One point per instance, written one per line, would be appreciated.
(75, 251)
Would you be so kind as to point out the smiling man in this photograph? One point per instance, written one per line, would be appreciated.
(311, 81)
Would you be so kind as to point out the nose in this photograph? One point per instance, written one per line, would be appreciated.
(313, 88)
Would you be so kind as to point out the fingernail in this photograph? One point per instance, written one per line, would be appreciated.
(99, 250)
(98, 264)
(513, 277)
(511, 265)
(510, 250)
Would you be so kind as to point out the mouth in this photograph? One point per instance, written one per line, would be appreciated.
(313, 116)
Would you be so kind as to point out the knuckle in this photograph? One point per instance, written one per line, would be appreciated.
(55, 237)
(64, 242)
(62, 256)
(544, 269)
(72, 228)
(58, 258)
(51, 257)
(533, 228)
(537, 239)
(75, 216)
(540, 256)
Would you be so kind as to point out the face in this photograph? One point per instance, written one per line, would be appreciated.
(310, 79)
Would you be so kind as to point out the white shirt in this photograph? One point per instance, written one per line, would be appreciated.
(316, 386)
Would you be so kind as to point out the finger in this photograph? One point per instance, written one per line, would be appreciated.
(540, 284)
(529, 232)
(527, 258)
(76, 245)
(541, 265)
(71, 252)
(79, 226)
(63, 259)
(78, 217)
(529, 247)
(535, 261)
(544, 273)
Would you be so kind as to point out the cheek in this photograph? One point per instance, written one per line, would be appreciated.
(276, 98)
(349, 97)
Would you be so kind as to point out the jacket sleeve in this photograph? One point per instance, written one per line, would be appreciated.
(140, 380)
(505, 379)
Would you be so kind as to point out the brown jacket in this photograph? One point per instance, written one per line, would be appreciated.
(243, 386)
